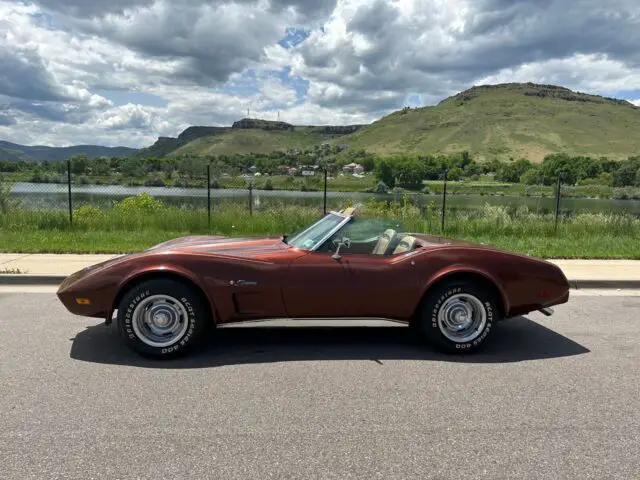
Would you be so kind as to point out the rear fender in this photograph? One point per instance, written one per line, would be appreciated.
(461, 270)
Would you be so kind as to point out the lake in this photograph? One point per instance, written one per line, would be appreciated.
(54, 196)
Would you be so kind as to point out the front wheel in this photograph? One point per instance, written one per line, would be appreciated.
(457, 317)
(162, 318)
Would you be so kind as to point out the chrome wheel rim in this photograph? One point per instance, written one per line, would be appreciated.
(160, 320)
(462, 318)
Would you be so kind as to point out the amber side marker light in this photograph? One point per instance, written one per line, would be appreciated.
(83, 301)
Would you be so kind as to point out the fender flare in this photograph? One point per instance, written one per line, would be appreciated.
(170, 270)
(461, 270)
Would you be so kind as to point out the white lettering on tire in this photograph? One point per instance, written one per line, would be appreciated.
(477, 341)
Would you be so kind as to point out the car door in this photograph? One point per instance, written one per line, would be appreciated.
(382, 286)
(317, 285)
(357, 284)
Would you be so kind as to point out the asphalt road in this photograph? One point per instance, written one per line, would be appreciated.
(551, 398)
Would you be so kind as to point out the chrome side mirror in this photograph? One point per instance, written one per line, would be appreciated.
(342, 242)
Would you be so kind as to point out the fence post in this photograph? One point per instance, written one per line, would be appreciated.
(209, 193)
(325, 191)
(251, 199)
(444, 202)
(69, 190)
(555, 228)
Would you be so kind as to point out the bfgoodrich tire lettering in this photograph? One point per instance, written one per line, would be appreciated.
(162, 318)
(458, 317)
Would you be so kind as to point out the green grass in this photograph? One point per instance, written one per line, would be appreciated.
(128, 230)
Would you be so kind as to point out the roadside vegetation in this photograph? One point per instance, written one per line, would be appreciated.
(580, 176)
(139, 222)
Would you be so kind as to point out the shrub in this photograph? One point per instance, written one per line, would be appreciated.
(154, 182)
(87, 214)
(142, 202)
(381, 187)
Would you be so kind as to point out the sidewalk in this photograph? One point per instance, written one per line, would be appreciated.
(50, 269)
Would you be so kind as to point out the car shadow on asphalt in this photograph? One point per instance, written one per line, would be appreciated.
(516, 340)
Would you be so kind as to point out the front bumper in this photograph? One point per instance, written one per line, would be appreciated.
(89, 292)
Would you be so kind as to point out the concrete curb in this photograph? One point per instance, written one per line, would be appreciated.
(26, 279)
(605, 284)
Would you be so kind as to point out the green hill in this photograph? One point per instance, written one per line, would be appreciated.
(492, 121)
(247, 136)
(510, 120)
(15, 152)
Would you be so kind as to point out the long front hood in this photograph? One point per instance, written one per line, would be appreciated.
(245, 247)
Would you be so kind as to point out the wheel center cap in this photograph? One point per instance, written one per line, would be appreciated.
(161, 319)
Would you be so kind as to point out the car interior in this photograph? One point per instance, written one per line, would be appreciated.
(390, 242)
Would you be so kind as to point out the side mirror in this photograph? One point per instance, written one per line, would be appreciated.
(342, 242)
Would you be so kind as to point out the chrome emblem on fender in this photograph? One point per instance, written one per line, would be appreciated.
(242, 283)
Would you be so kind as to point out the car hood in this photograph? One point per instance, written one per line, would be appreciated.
(229, 246)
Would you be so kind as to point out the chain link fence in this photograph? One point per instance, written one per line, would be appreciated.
(204, 191)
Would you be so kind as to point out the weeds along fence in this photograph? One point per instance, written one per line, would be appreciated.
(205, 195)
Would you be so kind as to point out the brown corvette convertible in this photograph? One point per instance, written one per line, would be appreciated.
(451, 293)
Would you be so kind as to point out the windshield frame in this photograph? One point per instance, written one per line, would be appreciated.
(328, 235)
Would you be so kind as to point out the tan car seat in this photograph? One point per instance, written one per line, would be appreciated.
(407, 244)
(383, 242)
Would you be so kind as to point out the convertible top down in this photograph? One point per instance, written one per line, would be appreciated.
(451, 293)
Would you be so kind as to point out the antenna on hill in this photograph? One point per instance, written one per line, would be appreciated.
(278, 115)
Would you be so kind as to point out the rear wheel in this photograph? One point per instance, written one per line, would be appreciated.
(457, 317)
(162, 318)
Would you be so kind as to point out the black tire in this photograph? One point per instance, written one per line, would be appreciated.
(452, 297)
(182, 305)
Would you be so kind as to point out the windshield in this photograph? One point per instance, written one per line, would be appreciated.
(314, 235)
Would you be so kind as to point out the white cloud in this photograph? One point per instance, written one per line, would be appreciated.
(273, 90)
(210, 60)
(594, 73)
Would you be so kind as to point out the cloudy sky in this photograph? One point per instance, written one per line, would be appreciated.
(123, 72)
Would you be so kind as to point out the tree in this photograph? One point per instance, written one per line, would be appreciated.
(511, 172)
(384, 172)
(79, 164)
(368, 163)
(531, 177)
(99, 166)
(132, 167)
(492, 166)
(454, 174)
(586, 167)
(625, 175)
(558, 165)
